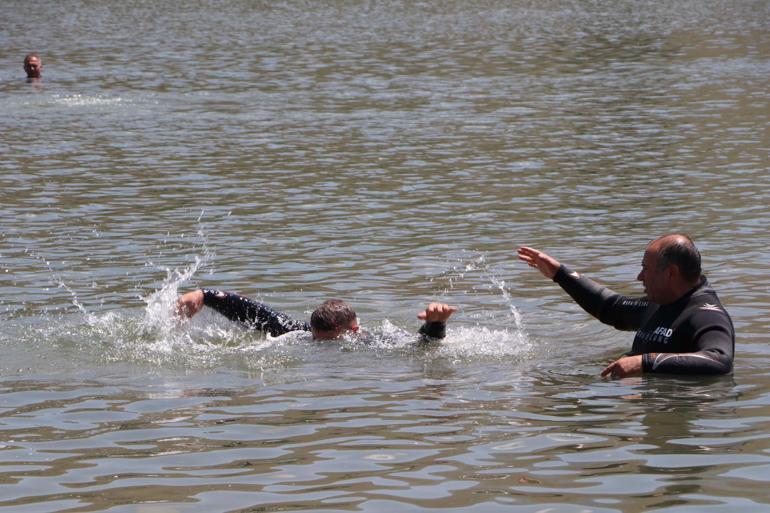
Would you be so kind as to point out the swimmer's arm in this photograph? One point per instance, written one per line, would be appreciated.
(435, 317)
(240, 309)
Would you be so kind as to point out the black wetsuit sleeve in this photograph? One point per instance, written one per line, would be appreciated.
(432, 331)
(252, 313)
(715, 347)
(621, 312)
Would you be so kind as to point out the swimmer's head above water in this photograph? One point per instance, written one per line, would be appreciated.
(33, 65)
(332, 319)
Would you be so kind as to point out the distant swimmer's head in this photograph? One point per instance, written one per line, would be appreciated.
(333, 319)
(33, 65)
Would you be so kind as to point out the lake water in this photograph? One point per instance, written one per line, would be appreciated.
(388, 153)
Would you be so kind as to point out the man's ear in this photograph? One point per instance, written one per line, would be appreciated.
(673, 271)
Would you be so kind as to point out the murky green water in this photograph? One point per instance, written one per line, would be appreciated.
(389, 153)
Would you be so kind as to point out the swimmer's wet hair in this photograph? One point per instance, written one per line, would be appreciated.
(332, 315)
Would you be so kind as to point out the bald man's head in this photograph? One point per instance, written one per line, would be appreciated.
(678, 249)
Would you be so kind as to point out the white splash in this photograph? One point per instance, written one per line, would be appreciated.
(81, 100)
(474, 342)
(160, 313)
(500, 284)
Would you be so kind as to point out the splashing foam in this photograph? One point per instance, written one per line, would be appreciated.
(81, 100)
(474, 272)
(474, 342)
(478, 264)
(462, 342)
(500, 284)
(160, 315)
(160, 337)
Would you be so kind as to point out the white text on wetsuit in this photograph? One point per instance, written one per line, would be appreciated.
(661, 334)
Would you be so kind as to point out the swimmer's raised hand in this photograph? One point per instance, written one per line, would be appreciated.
(189, 304)
(546, 264)
(437, 312)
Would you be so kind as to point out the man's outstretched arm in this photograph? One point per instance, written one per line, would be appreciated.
(621, 312)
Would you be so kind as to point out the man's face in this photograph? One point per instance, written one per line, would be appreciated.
(656, 281)
(334, 334)
(33, 67)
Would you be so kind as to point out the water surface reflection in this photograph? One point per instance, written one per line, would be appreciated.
(388, 153)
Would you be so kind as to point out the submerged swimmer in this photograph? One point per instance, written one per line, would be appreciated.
(331, 320)
(681, 326)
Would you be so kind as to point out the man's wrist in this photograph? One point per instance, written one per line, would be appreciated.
(648, 361)
(434, 329)
(561, 272)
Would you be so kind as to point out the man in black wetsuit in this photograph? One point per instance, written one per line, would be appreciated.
(681, 326)
(332, 319)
